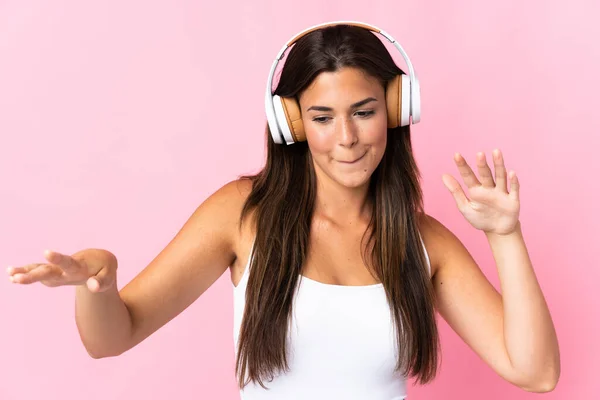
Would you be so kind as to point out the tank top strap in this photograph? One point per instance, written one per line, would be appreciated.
(426, 253)
(246, 272)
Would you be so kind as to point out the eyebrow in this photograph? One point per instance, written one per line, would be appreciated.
(355, 105)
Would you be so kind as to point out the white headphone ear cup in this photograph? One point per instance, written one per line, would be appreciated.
(276, 130)
(405, 101)
(415, 103)
(282, 123)
(271, 119)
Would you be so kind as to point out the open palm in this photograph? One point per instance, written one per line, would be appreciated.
(488, 205)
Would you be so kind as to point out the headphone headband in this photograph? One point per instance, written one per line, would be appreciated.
(415, 110)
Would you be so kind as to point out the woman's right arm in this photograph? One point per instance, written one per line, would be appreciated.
(102, 318)
(110, 322)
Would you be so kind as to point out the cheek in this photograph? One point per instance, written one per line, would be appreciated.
(380, 132)
(376, 140)
(374, 132)
(320, 142)
(377, 146)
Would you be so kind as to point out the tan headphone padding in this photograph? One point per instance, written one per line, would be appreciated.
(294, 118)
(393, 98)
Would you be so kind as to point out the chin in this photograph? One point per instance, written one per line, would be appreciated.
(353, 181)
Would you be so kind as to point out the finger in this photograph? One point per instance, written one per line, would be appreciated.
(42, 273)
(465, 171)
(485, 173)
(514, 185)
(101, 281)
(500, 170)
(65, 262)
(454, 187)
(22, 270)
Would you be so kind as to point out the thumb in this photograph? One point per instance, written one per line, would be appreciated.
(102, 281)
(457, 192)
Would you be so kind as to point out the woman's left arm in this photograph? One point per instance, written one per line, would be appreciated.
(529, 333)
(512, 332)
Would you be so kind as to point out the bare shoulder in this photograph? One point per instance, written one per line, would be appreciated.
(198, 254)
(439, 241)
(446, 251)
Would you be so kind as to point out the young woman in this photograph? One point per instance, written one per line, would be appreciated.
(337, 270)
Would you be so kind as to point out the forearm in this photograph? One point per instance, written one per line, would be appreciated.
(529, 333)
(103, 321)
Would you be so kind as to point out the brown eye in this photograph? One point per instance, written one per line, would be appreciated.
(366, 113)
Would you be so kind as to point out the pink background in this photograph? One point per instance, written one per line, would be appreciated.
(118, 118)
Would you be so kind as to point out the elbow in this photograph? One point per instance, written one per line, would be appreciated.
(101, 348)
(545, 384)
(93, 353)
(97, 354)
(542, 387)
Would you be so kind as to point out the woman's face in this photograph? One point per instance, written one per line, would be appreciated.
(345, 120)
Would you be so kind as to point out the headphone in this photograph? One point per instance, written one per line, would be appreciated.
(403, 94)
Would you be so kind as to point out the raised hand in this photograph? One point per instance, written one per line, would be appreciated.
(488, 206)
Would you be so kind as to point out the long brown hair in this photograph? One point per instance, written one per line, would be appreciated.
(283, 197)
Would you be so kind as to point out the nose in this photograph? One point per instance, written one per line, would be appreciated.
(347, 132)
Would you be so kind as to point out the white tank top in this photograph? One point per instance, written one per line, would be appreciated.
(342, 344)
